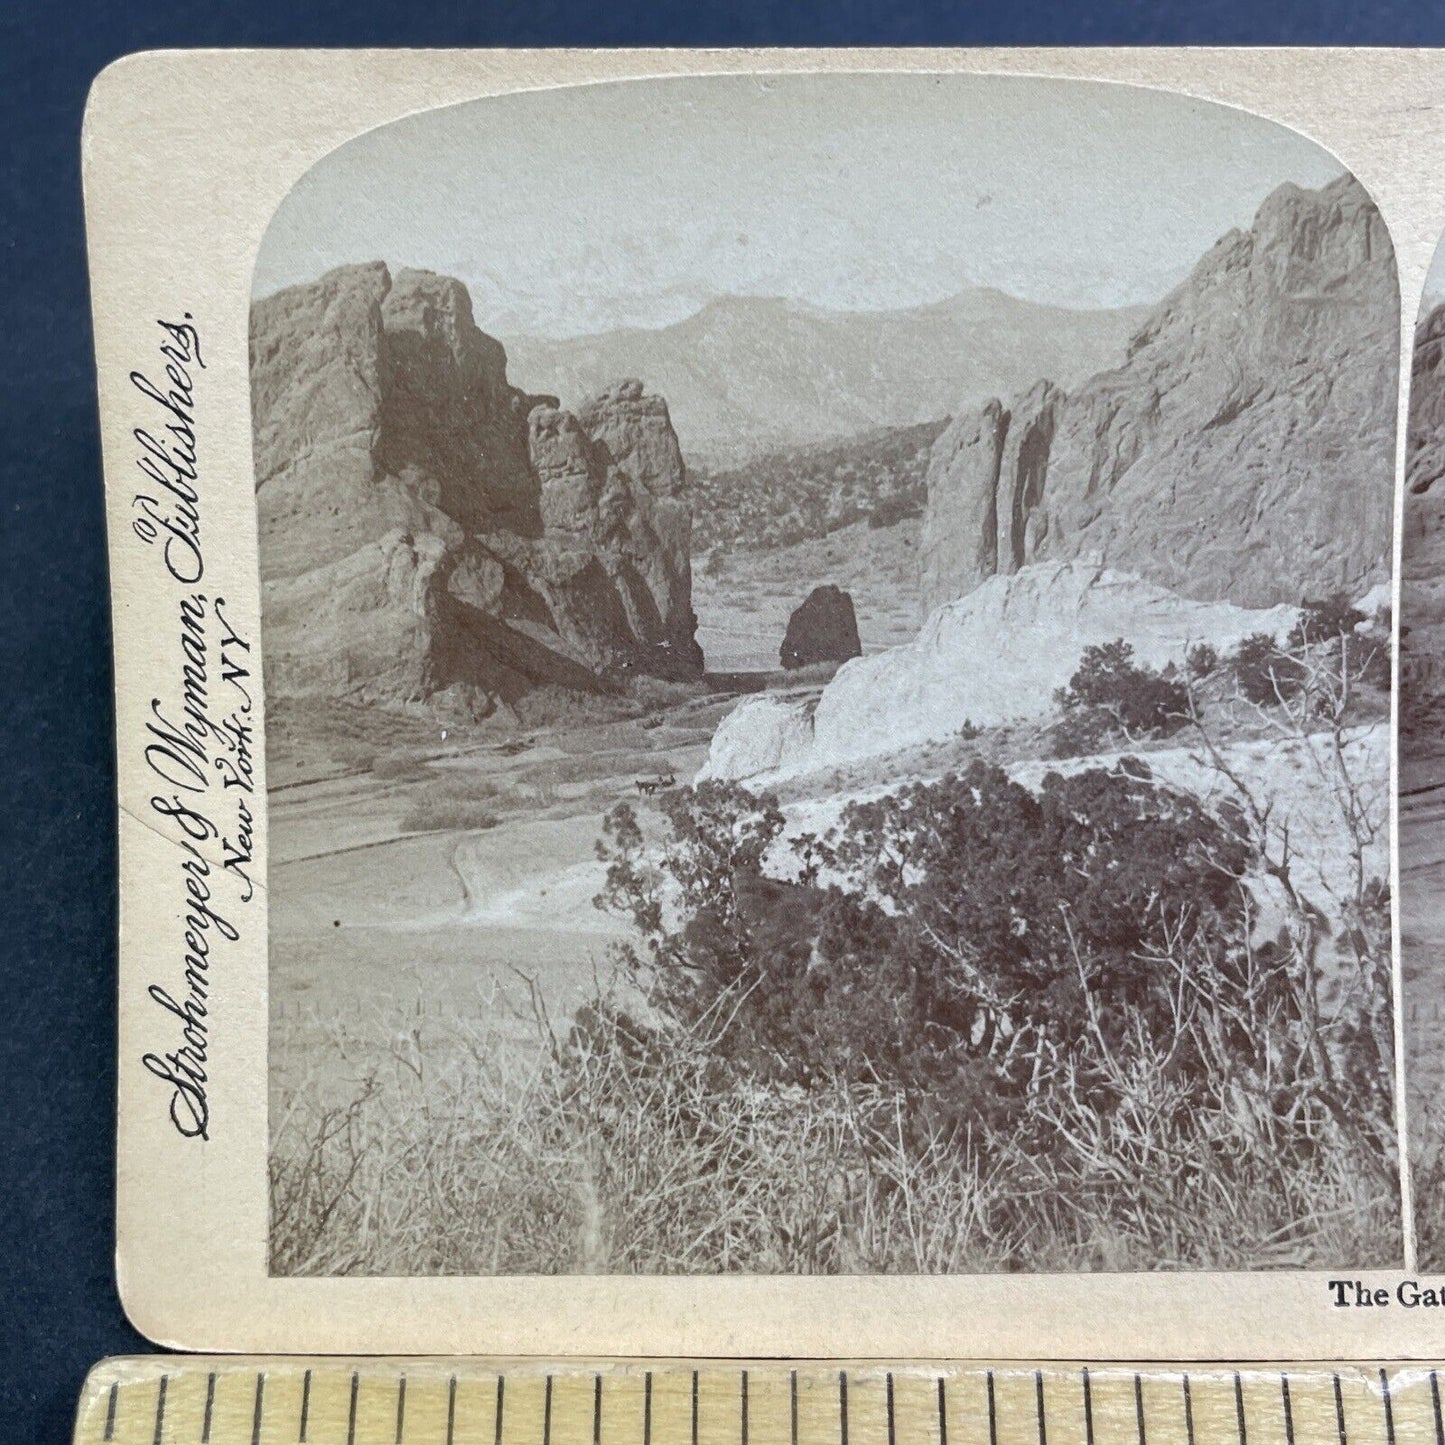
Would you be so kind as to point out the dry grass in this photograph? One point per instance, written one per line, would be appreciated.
(453, 799)
(1427, 1180)
(467, 1152)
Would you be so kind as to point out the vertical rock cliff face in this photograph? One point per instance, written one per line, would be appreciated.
(1422, 580)
(1425, 448)
(959, 544)
(431, 534)
(1244, 448)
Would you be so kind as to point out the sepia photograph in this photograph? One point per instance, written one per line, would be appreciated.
(828, 684)
(1422, 771)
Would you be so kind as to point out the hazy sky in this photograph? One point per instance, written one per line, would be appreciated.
(577, 210)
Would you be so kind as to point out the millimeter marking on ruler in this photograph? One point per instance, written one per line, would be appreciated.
(174, 1401)
(161, 1410)
(259, 1406)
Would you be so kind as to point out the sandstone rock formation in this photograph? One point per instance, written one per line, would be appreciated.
(995, 656)
(431, 534)
(1425, 446)
(823, 628)
(1244, 450)
(762, 735)
(1422, 560)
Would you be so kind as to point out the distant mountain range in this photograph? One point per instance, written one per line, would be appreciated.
(746, 375)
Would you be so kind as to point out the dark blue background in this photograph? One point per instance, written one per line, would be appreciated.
(58, 1307)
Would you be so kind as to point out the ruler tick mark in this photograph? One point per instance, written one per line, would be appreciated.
(168, 1416)
(258, 1408)
(161, 1410)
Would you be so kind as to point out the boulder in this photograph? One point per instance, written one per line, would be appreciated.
(428, 531)
(760, 736)
(823, 628)
(1244, 449)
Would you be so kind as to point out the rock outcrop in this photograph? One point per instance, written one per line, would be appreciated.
(822, 628)
(1422, 560)
(431, 534)
(995, 656)
(1244, 450)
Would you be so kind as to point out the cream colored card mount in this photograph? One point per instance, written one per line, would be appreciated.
(755, 697)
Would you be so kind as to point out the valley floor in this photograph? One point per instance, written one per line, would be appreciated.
(431, 889)
(374, 908)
